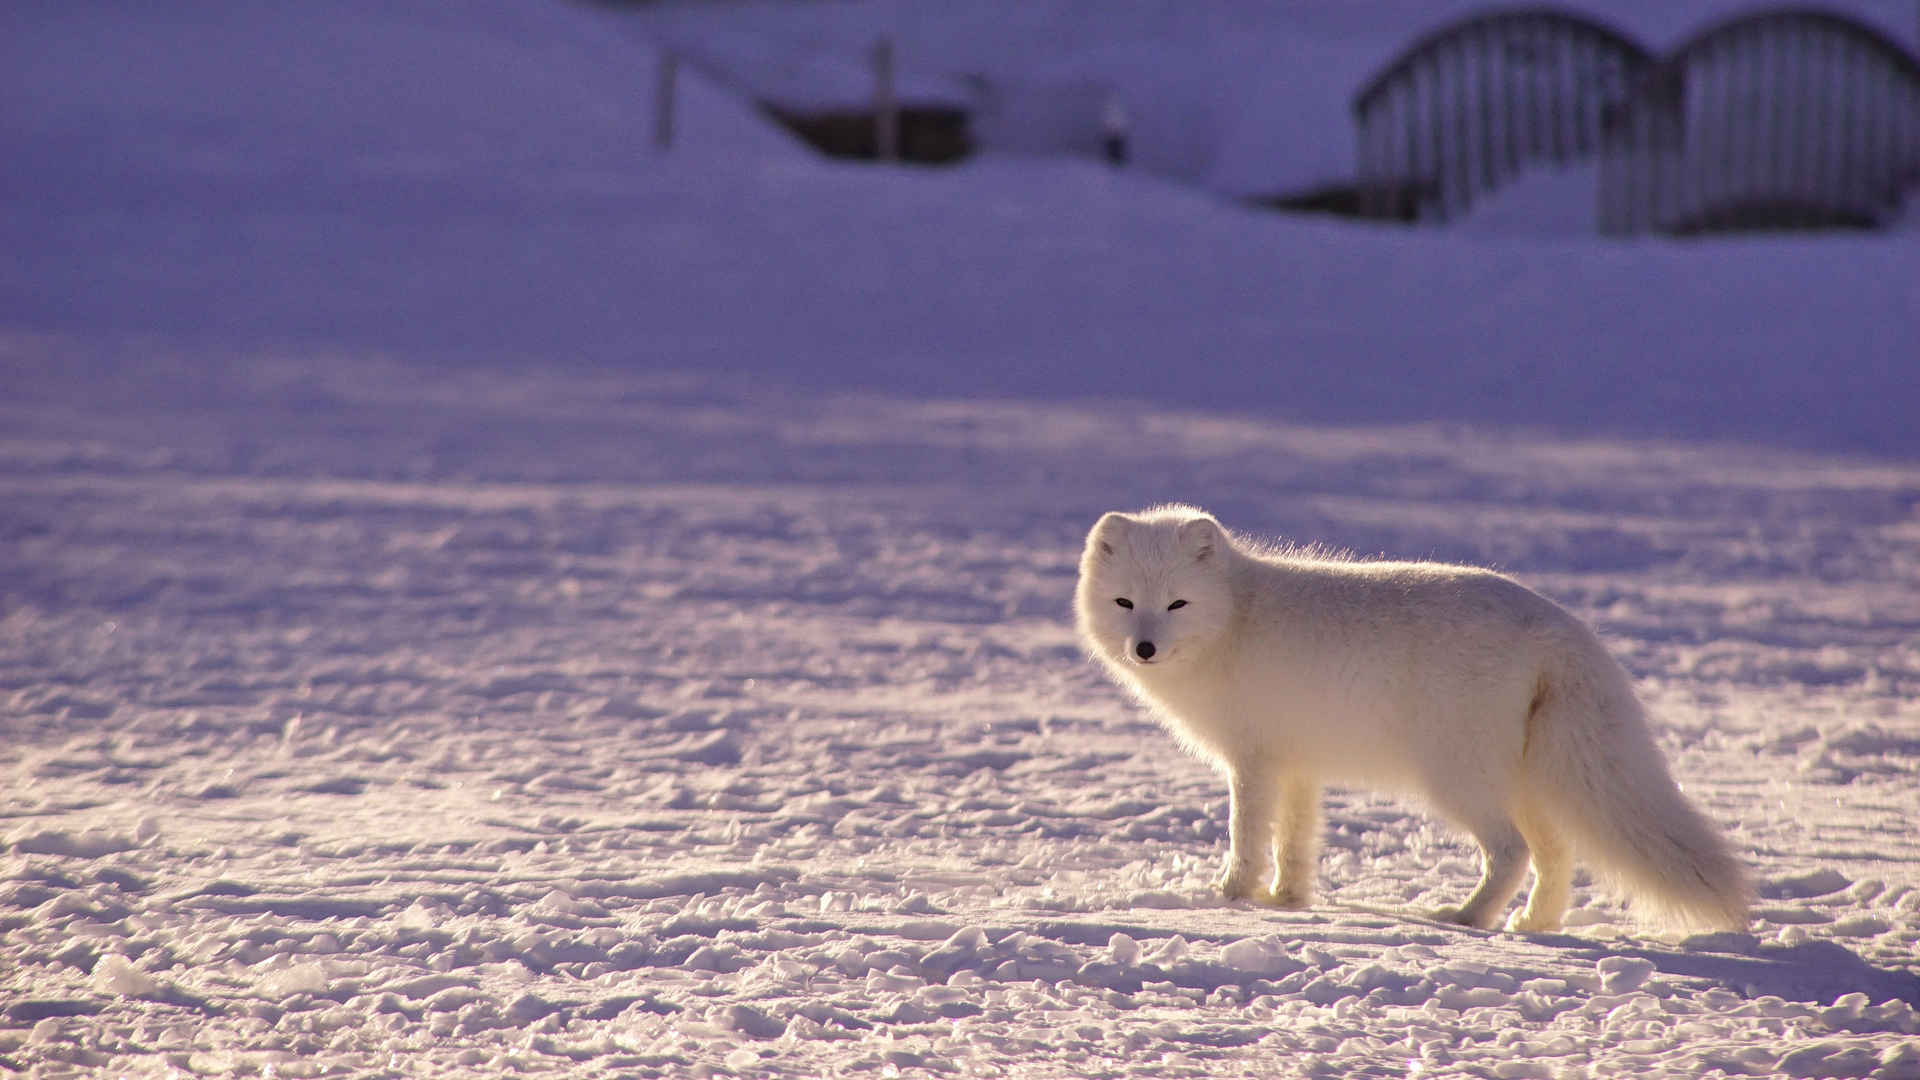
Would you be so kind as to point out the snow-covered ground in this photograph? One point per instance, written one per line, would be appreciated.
(478, 596)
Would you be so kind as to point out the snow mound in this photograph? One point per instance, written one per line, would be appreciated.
(73, 844)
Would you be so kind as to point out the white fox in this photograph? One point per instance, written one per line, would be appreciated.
(1287, 670)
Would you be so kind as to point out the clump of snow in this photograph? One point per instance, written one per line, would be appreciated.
(115, 974)
(1821, 882)
(76, 844)
(1622, 974)
(1261, 958)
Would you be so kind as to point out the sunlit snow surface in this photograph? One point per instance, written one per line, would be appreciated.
(478, 599)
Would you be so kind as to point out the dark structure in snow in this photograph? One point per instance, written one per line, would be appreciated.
(929, 133)
(1780, 118)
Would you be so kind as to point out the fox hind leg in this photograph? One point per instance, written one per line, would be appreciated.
(1503, 855)
(1552, 877)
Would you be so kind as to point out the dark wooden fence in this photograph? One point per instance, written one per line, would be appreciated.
(1777, 118)
(1789, 118)
(1466, 107)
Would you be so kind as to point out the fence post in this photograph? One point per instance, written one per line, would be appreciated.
(663, 99)
(886, 107)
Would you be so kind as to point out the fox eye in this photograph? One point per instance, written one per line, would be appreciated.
(1123, 602)
(1176, 605)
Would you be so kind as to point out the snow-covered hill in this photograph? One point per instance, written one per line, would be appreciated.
(478, 595)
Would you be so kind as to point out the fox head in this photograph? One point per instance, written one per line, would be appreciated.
(1153, 588)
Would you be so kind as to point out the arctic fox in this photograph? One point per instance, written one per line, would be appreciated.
(1287, 670)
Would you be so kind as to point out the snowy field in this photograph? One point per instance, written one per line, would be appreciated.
(478, 597)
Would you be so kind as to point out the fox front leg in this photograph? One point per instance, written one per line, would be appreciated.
(1251, 818)
(1299, 846)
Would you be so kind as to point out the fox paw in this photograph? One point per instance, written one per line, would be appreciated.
(1244, 887)
(1460, 917)
(1523, 923)
(1291, 899)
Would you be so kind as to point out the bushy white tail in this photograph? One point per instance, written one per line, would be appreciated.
(1596, 771)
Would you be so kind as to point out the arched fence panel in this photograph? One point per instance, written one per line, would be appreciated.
(1787, 118)
(1466, 107)
(1779, 118)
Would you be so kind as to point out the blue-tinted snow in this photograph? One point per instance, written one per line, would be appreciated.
(258, 178)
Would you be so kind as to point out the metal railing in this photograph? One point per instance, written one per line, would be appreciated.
(1464, 108)
(1788, 117)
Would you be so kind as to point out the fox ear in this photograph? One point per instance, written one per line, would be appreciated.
(1100, 540)
(1199, 537)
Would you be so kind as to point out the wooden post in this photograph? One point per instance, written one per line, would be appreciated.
(663, 99)
(886, 107)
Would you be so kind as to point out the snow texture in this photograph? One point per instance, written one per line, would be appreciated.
(481, 596)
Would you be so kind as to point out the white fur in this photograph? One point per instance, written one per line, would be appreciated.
(1289, 670)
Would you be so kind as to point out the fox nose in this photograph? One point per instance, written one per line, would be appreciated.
(1144, 650)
